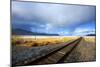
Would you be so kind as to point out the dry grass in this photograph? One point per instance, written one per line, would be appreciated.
(22, 41)
(90, 39)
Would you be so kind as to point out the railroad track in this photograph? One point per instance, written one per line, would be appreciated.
(56, 56)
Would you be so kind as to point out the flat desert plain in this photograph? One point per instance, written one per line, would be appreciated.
(26, 47)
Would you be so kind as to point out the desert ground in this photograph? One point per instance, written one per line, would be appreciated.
(26, 47)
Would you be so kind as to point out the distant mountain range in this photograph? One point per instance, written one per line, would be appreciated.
(25, 32)
(91, 35)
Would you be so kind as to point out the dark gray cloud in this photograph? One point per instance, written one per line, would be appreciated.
(51, 18)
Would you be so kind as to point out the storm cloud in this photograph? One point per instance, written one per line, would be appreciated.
(52, 18)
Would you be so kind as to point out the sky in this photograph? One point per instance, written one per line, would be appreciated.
(65, 20)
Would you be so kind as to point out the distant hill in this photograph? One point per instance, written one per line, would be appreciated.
(25, 32)
(91, 35)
